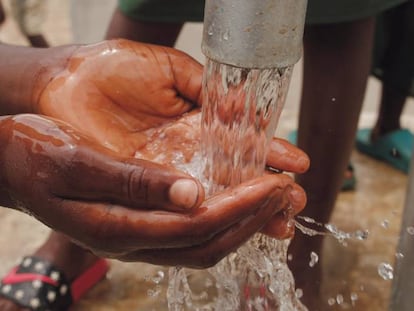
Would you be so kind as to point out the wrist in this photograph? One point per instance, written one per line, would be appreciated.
(25, 72)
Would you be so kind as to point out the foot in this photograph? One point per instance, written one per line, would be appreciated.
(64, 255)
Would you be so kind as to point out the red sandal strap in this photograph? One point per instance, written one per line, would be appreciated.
(89, 278)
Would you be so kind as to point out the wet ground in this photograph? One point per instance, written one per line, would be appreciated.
(349, 271)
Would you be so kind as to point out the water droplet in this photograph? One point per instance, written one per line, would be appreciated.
(289, 257)
(354, 297)
(331, 301)
(154, 292)
(308, 219)
(386, 271)
(339, 299)
(385, 223)
(361, 234)
(210, 30)
(410, 230)
(299, 293)
(333, 99)
(314, 259)
(226, 35)
(399, 255)
(158, 278)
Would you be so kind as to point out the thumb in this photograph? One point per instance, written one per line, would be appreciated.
(135, 183)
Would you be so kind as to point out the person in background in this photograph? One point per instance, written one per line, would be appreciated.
(338, 48)
(393, 64)
(71, 120)
(2, 13)
(29, 16)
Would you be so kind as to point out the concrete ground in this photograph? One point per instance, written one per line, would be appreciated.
(350, 270)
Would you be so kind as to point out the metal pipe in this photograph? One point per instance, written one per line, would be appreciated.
(254, 33)
(403, 284)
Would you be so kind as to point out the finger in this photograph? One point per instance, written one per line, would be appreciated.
(187, 74)
(281, 225)
(94, 174)
(219, 246)
(138, 229)
(287, 157)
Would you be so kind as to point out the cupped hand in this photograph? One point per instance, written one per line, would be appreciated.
(177, 144)
(105, 202)
(138, 100)
(115, 89)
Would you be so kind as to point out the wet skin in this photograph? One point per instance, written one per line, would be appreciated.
(80, 177)
(76, 186)
(124, 88)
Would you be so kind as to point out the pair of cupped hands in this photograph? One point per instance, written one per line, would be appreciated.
(71, 163)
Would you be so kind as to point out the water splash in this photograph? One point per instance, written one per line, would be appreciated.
(314, 258)
(240, 113)
(354, 297)
(410, 230)
(331, 301)
(385, 223)
(339, 299)
(399, 255)
(330, 230)
(386, 271)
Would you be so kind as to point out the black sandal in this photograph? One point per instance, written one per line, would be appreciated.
(39, 286)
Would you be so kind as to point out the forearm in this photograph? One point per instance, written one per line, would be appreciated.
(5, 199)
(25, 72)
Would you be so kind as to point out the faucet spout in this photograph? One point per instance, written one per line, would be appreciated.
(254, 33)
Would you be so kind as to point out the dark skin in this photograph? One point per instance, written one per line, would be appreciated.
(81, 178)
(130, 226)
(2, 14)
(395, 93)
(337, 63)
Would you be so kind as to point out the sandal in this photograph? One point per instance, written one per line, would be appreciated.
(37, 285)
(349, 182)
(394, 148)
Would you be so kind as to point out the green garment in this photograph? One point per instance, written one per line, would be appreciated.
(394, 56)
(318, 12)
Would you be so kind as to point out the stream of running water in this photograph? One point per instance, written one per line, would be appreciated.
(241, 109)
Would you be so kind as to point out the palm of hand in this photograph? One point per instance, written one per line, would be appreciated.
(116, 90)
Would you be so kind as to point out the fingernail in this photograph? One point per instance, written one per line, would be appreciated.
(184, 193)
(278, 147)
(303, 163)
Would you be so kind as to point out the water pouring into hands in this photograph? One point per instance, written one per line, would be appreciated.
(142, 100)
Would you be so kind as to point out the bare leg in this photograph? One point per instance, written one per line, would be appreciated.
(398, 69)
(391, 107)
(337, 60)
(68, 257)
(122, 26)
(2, 14)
